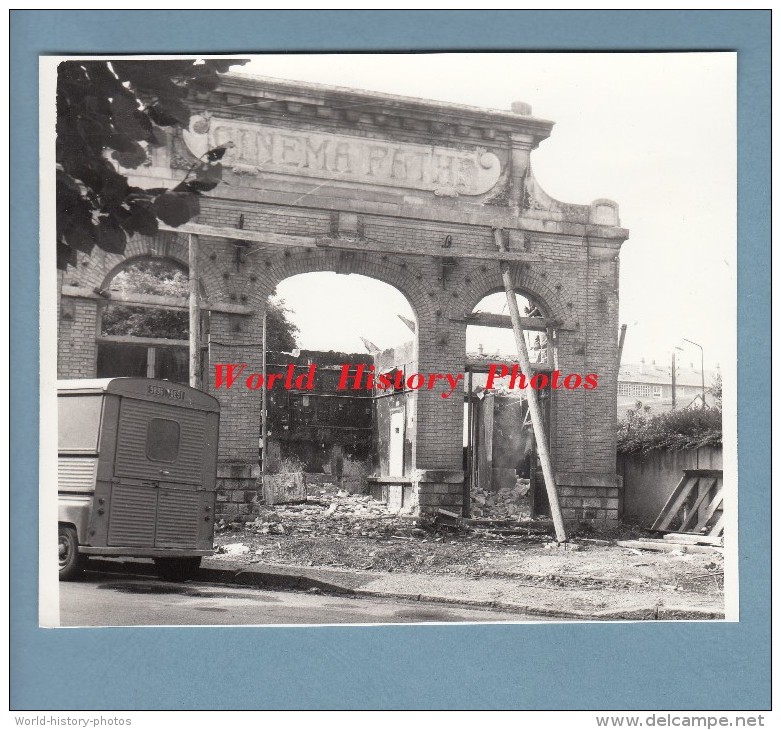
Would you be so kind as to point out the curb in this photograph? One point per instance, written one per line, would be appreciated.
(335, 582)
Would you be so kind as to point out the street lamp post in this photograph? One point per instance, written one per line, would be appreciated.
(702, 366)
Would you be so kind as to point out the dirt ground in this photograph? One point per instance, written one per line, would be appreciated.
(354, 532)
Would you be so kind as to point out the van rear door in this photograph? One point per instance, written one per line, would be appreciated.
(159, 496)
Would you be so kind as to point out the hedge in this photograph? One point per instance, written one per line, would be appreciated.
(688, 428)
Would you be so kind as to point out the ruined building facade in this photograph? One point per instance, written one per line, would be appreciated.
(406, 191)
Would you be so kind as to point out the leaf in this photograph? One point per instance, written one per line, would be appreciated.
(81, 237)
(113, 188)
(67, 201)
(204, 83)
(169, 112)
(120, 142)
(176, 208)
(89, 129)
(135, 193)
(66, 256)
(161, 118)
(207, 177)
(141, 219)
(218, 152)
(222, 65)
(128, 119)
(111, 237)
(195, 186)
(96, 106)
(131, 158)
(209, 172)
(158, 138)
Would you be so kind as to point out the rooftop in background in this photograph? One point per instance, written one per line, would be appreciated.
(656, 373)
(663, 405)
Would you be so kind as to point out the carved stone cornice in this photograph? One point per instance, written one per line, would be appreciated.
(304, 105)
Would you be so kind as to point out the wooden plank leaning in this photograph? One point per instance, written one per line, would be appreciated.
(715, 505)
(534, 405)
(667, 513)
(718, 528)
(194, 302)
(694, 511)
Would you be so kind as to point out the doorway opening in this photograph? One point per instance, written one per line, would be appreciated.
(346, 428)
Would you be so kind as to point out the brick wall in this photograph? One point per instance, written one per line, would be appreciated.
(589, 497)
(577, 284)
(76, 347)
(239, 493)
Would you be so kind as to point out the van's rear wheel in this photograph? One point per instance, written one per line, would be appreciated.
(71, 563)
(177, 569)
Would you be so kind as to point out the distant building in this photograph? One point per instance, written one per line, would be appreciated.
(651, 385)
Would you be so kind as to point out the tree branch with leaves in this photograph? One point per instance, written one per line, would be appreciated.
(109, 114)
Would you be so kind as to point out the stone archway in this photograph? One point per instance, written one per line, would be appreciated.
(503, 472)
(85, 292)
(235, 339)
(341, 425)
(148, 340)
(401, 190)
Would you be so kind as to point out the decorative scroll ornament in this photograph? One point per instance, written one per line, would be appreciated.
(196, 136)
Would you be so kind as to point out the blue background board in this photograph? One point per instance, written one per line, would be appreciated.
(682, 666)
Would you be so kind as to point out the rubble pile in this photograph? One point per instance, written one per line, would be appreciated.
(328, 511)
(338, 530)
(508, 502)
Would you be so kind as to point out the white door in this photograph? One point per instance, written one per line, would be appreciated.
(396, 444)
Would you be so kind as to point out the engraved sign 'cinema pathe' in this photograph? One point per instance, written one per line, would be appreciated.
(259, 148)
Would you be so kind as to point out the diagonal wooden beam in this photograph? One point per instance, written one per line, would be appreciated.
(538, 425)
(674, 500)
(718, 528)
(194, 309)
(695, 507)
(712, 508)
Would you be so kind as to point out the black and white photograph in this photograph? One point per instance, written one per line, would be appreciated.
(388, 339)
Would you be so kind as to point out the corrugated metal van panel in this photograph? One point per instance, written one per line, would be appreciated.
(178, 518)
(132, 516)
(131, 458)
(76, 472)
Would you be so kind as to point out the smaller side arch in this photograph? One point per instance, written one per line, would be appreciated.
(526, 281)
(130, 260)
(99, 268)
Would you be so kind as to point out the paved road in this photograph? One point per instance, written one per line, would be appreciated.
(104, 599)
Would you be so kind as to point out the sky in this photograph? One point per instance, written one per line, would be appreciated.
(654, 132)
